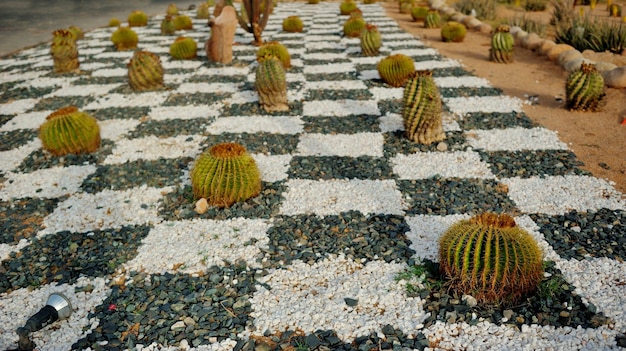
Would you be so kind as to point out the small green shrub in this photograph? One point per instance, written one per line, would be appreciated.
(587, 33)
(536, 5)
(528, 25)
(485, 9)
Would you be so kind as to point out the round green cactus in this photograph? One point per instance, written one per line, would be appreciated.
(145, 71)
(396, 69)
(584, 89)
(69, 131)
(490, 258)
(419, 12)
(501, 50)
(422, 109)
(354, 26)
(276, 49)
(432, 20)
(453, 32)
(137, 18)
(124, 38)
(183, 48)
(183, 22)
(202, 12)
(114, 22)
(225, 174)
(77, 32)
(370, 40)
(346, 7)
(167, 26)
(271, 84)
(293, 24)
(64, 52)
(406, 6)
(172, 10)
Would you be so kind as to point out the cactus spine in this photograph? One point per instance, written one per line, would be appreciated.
(395, 69)
(145, 71)
(293, 24)
(167, 25)
(225, 174)
(422, 109)
(370, 40)
(183, 48)
(432, 20)
(501, 50)
(137, 18)
(271, 84)
(276, 49)
(124, 38)
(453, 32)
(69, 131)
(584, 89)
(64, 52)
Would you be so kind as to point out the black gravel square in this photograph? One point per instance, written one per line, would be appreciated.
(495, 120)
(258, 143)
(342, 125)
(338, 167)
(16, 138)
(530, 163)
(171, 127)
(23, 218)
(397, 143)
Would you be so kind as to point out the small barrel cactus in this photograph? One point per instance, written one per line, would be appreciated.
(346, 7)
(422, 109)
(396, 69)
(354, 26)
(183, 22)
(501, 50)
(124, 38)
(114, 22)
(370, 40)
(490, 258)
(293, 24)
(145, 71)
(167, 26)
(225, 174)
(202, 12)
(406, 6)
(419, 12)
(276, 49)
(69, 131)
(77, 32)
(172, 10)
(432, 20)
(137, 18)
(453, 32)
(184, 48)
(271, 84)
(584, 89)
(313, 2)
(64, 52)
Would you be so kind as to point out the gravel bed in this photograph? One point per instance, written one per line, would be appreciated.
(16, 138)
(335, 167)
(529, 163)
(22, 219)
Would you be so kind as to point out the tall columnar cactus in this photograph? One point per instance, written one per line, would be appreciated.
(202, 12)
(370, 40)
(69, 131)
(145, 71)
(422, 109)
(396, 69)
(346, 7)
(432, 20)
(419, 12)
(271, 84)
(501, 50)
(584, 89)
(253, 17)
(64, 52)
(293, 24)
(490, 258)
(277, 49)
(167, 25)
(453, 32)
(354, 26)
(183, 48)
(225, 174)
(137, 18)
(124, 38)
(183, 22)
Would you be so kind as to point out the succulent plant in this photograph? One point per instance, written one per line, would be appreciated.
(584, 89)
(271, 84)
(64, 52)
(167, 26)
(293, 24)
(276, 49)
(490, 258)
(615, 10)
(346, 7)
(396, 69)
(432, 20)
(202, 12)
(422, 109)
(114, 22)
(183, 48)
(225, 174)
(370, 40)
(124, 38)
(313, 2)
(354, 26)
(183, 22)
(145, 71)
(172, 10)
(453, 32)
(137, 18)
(253, 17)
(405, 6)
(419, 12)
(69, 131)
(501, 50)
(77, 32)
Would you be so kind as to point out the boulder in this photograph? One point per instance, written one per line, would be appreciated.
(532, 41)
(219, 47)
(557, 49)
(568, 56)
(546, 46)
(574, 64)
(615, 78)
(605, 66)
(485, 28)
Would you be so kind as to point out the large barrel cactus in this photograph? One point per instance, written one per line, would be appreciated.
(293, 24)
(370, 40)
(145, 71)
(353, 26)
(271, 84)
(137, 18)
(64, 52)
(69, 131)
(432, 20)
(125, 38)
(225, 174)
(501, 50)
(419, 12)
(395, 69)
(491, 258)
(422, 109)
(183, 48)
(183, 22)
(277, 49)
(453, 32)
(346, 7)
(584, 89)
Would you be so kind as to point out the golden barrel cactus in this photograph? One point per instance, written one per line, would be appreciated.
(453, 32)
(584, 89)
(184, 48)
(137, 18)
(501, 50)
(124, 38)
(396, 69)
(422, 111)
(293, 24)
(271, 84)
(276, 49)
(69, 131)
(370, 40)
(64, 52)
(145, 71)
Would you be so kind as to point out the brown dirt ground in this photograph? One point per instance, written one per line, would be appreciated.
(597, 138)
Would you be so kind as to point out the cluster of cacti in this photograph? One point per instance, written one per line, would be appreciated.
(276, 49)
(346, 7)
(137, 18)
(167, 26)
(172, 10)
(490, 258)
(584, 89)
(432, 20)
(422, 109)
(225, 174)
(370, 40)
(183, 22)
(183, 48)
(453, 32)
(271, 84)
(202, 11)
(395, 69)
(124, 38)
(293, 24)
(354, 25)
(253, 17)
(501, 50)
(64, 52)
(419, 12)
(145, 71)
(77, 32)
(114, 22)
(69, 131)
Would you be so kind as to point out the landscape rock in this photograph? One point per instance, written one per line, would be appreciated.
(568, 55)
(605, 66)
(533, 41)
(219, 47)
(485, 28)
(473, 23)
(546, 46)
(574, 64)
(557, 49)
(458, 17)
(520, 37)
(615, 78)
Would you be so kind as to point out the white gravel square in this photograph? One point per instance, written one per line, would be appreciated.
(133, 100)
(335, 85)
(426, 231)
(17, 106)
(255, 124)
(353, 145)
(29, 120)
(340, 108)
(463, 81)
(415, 52)
(485, 104)
(513, 139)
(45, 183)
(213, 88)
(117, 129)
(85, 90)
(434, 64)
(458, 164)
(110, 72)
(163, 113)
(330, 68)
(14, 157)
(273, 168)
(153, 148)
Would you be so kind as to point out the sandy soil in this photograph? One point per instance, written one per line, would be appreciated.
(597, 138)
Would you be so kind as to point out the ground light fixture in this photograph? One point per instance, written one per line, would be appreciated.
(57, 307)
